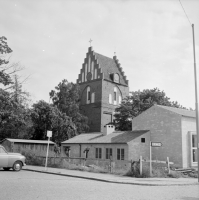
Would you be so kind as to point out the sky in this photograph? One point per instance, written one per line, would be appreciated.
(152, 40)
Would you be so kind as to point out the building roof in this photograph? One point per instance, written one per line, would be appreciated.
(179, 111)
(115, 137)
(28, 141)
(109, 66)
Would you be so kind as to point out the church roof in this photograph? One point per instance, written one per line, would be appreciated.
(101, 67)
(99, 138)
(109, 66)
(179, 111)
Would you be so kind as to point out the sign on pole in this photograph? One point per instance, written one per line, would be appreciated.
(152, 144)
(156, 144)
(49, 135)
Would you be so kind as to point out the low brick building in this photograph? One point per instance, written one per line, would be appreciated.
(38, 147)
(175, 128)
(120, 147)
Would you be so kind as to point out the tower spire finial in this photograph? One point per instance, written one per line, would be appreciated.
(90, 42)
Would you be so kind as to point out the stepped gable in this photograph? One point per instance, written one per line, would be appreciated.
(111, 65)
(105, 67)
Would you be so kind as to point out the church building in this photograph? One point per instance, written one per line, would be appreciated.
(103, 85)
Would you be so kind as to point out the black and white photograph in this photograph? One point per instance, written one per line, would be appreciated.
(99, 99)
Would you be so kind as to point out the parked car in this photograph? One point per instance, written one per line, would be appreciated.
(11, 160)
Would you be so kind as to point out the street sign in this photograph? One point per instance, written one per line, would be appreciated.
(49, 133)
(156, 144)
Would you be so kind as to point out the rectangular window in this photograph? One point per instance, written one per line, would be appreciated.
(142, 140)
(98, 153)
(108, 153)
(194, 148)
(120, 154)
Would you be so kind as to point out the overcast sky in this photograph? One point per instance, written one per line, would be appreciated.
(152, 40)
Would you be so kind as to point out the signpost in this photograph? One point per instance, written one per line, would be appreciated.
(153, 144)
(49, 135)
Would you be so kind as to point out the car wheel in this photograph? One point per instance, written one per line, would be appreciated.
(6, 168)
(17, 166)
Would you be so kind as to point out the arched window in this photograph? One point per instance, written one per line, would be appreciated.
(93, 97)
(120, 99)
(115, 96)
(110, 98)
(88, 96)
(116, 78)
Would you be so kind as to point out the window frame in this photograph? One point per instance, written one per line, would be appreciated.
(109, 153)
(120, 153)
(193, 148)
(98, 153)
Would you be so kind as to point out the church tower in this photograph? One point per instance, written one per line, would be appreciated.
(103, 85)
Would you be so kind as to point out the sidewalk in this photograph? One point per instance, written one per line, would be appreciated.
(111, 178)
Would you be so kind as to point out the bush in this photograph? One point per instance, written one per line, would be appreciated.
(31, 158)
(174, 174)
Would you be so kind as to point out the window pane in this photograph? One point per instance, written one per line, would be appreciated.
(118, 154)
(96, 153)
(106, 153)
(115, 96)
(194, 140)
(111, 152)
(100, 153)
(89, 95)
(122, 154)
(195, 157)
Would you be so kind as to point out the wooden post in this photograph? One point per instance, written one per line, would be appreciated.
(150, 164)
(141, 165)
(168, 165)
(131, 165)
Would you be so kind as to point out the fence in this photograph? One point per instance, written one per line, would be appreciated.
(107, 165)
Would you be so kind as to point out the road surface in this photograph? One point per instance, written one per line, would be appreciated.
(26, 185)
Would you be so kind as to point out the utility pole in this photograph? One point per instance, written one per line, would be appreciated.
(196, 97)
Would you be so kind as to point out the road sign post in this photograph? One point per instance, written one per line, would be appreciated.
(152, 144)
(49, 135)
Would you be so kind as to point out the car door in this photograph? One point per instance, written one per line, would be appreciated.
(3, 158)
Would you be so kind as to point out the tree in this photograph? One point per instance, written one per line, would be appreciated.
(45, 117)
(138, 102)
(66, 98)
(13, 117)
(5, 78)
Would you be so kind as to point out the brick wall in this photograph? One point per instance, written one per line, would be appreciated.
(165, 127)
(137, 148)
(103, 162)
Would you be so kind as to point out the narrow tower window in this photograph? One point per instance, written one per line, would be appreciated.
(115, 96)
(88, 100)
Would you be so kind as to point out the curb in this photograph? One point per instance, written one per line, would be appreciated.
(109, 181)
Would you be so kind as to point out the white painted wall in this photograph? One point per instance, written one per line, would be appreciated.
(188, 124)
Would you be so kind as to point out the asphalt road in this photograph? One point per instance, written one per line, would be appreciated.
(26, 185)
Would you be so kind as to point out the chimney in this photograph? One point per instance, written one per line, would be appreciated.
(108, 129)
